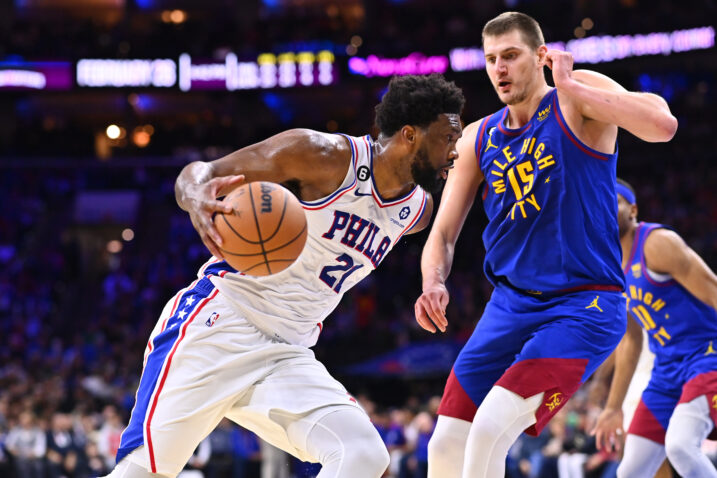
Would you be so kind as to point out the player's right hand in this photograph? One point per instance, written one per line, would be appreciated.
(430, 308)
(608, 431)
(203, 204)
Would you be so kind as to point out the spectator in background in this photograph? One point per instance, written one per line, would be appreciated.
(247, 453)
(109, 435)
(65, 456)
(27, 444)
(198, 461)
(275, 462)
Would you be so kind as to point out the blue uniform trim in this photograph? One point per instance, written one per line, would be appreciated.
(133, 435)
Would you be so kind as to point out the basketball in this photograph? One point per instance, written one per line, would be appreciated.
(265, 232)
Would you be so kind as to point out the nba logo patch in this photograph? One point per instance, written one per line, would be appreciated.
(636, 271)
(212, 318)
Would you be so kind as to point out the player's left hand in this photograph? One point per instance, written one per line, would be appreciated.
(430, 308)
(608, 431)
(561, 63)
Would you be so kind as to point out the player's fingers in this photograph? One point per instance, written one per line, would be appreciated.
(226, 184)
(620, 437)
(422, 317)
(218, 206)
(599, 439)
(209, 231)
(437, 313)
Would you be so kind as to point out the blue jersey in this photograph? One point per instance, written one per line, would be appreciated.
(681, 328)
(551, 205)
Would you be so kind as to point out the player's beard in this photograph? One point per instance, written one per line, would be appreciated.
(424, 173)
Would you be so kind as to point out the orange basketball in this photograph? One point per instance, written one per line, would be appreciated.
(266, 232)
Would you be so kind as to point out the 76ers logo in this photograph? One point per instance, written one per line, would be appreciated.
(404, 212)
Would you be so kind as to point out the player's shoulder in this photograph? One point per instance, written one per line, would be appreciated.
(316, 146)
(661, 240)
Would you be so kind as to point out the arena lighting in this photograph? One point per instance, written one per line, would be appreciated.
(413, 64)
(285, 70)
(160, 73)
(22, 75)
(600, 49)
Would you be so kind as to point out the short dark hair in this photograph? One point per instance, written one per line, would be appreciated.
(527, 26)
(417, 100)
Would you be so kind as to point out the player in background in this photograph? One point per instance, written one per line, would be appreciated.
(544, 167)
(672, 294)
(238, 346)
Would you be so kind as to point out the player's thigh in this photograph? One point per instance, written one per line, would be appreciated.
(284, 407)
(653, 413)
(192, 380)
(499, 335)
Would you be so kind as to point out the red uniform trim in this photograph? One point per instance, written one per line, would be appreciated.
(150, 446)
(455, 402)
(558, 378)
(645, 424)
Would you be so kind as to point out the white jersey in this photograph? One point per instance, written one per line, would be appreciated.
(349, 234)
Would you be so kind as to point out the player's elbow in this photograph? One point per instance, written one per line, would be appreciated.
(666, 127)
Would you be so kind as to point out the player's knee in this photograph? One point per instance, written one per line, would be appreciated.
(681, 453)
(485, 430)
(367, 454)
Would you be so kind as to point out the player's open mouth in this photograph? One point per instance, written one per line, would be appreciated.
(504, 85)
(444, 170)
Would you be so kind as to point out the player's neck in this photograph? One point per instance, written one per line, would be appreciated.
(626, 241)
(520, 113)
(391, 176)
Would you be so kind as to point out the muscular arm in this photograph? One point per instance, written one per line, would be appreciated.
(599, 98)
(437, 258)
(626, 356)
(310, 163)
(666, 253)
(602, 105)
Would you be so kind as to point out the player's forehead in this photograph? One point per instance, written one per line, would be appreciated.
(511, 40)
(446, 123)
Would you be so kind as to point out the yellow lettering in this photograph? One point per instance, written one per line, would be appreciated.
(514, 184)
(532, 143)
(524, 170)
(633, 292)
(660, 334)
(525, 146)
(539, 151)
(659, 304)
(522, 210)
(508, 155)
(641, 313)
(496, 173)
(499, 186)
(648, 298)
(639, 293)
(545, 162)
(499, 164)
(532, 201)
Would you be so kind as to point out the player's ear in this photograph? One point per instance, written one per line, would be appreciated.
(542, 51)
(409, 135)
(633, 212)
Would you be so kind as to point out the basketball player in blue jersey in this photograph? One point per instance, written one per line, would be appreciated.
(672, 294)
(231, 345)
(544, 167)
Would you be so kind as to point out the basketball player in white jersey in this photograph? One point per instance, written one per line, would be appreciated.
(231, 345)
